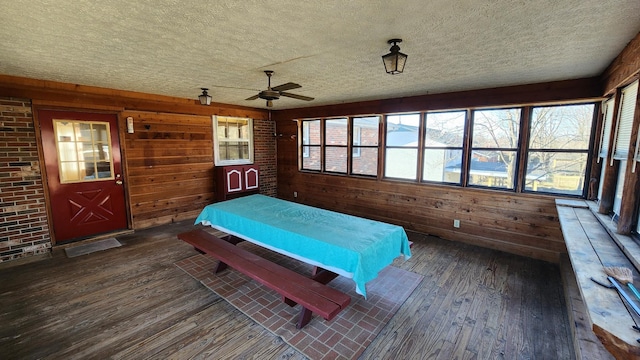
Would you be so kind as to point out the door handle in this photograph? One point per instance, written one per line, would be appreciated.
(118, 182)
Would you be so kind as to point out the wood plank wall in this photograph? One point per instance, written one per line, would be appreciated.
(168, 159)
(524, 224)
(169, 164)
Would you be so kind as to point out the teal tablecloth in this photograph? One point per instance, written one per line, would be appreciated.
(348, 245)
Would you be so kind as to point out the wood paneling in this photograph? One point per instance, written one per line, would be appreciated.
(519, 223)
(557, 91)
(74, 95)
(169, 160)
(623, 67)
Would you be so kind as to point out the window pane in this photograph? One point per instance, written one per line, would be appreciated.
(104, 169)
(496, 128)
(100, 133)
(366, 163)
(365, 131)
(312, 162)
(445, 129)
(336, 159)
(402, 130)
(231, 128)
(69, 172)
(556, 172)
(311, 132)
(336, 132)
(442, 165)
(84, 150)
(493, 169)
(401, 163)
(83, 131)
(608, 109)
(561, 127)
(233, 150)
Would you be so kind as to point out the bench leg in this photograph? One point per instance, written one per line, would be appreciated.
(304, 318)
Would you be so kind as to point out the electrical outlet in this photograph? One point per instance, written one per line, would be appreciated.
(456, 223)
(295, 194)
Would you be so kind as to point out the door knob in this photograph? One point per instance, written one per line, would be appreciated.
(118, 182)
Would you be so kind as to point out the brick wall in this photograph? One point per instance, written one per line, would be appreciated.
(264, 143)
(23, 217)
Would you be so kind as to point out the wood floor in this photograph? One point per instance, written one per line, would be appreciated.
(132, 302)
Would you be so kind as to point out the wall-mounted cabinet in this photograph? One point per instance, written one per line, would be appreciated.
(236, 180)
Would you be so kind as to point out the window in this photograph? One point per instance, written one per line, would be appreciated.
(559, 148)
(465, 147)
(335, 150)
(311, 145)
(607, 111)
(494, 148)
(84, 150)
(233, 144)
(326, 143)
(623, 139)
(605, 135)
(401, 152)
(443, 141)
(365, 145)
(625, 122)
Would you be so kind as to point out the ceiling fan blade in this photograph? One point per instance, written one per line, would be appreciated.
(253, 97)
(287, 86)
(296, 96)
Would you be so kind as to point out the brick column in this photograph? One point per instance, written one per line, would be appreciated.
(24, 229)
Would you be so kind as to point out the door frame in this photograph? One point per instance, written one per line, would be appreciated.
(117, 112)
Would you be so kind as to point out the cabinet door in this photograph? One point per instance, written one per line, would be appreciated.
(233, 180)
(251, 178)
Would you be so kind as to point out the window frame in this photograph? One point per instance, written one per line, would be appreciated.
(217, 141)
(425, 147)
(417, 147)
(520, 152)
(589, 151)
(516, 151)
(357, 146)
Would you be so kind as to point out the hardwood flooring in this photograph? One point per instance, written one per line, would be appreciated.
(132, 302)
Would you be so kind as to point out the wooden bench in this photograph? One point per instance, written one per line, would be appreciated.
(591, 247)
(313, 296)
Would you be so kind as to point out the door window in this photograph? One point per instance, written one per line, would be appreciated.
(84, 150)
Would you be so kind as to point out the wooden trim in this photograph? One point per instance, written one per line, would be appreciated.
(73, 106)
(596, 166)
(586, 89)
(523, 149)
(83, 96)
(628, 207)
(43, 172)
(124, 167)
(623, 68)
(466, 150)
(611, 171)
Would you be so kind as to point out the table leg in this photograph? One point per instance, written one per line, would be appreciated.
(322, 276)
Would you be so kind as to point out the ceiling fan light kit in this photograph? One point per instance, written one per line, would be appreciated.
(274, 93)
(394, 61)
(205, 98)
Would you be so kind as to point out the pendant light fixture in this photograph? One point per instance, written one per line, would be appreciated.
(205, 98)
(394, 61)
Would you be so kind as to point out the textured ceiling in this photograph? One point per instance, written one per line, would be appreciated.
(332, 48)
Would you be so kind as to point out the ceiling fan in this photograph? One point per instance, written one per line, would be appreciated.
(274, 93)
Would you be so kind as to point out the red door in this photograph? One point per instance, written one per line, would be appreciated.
(82, 160)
